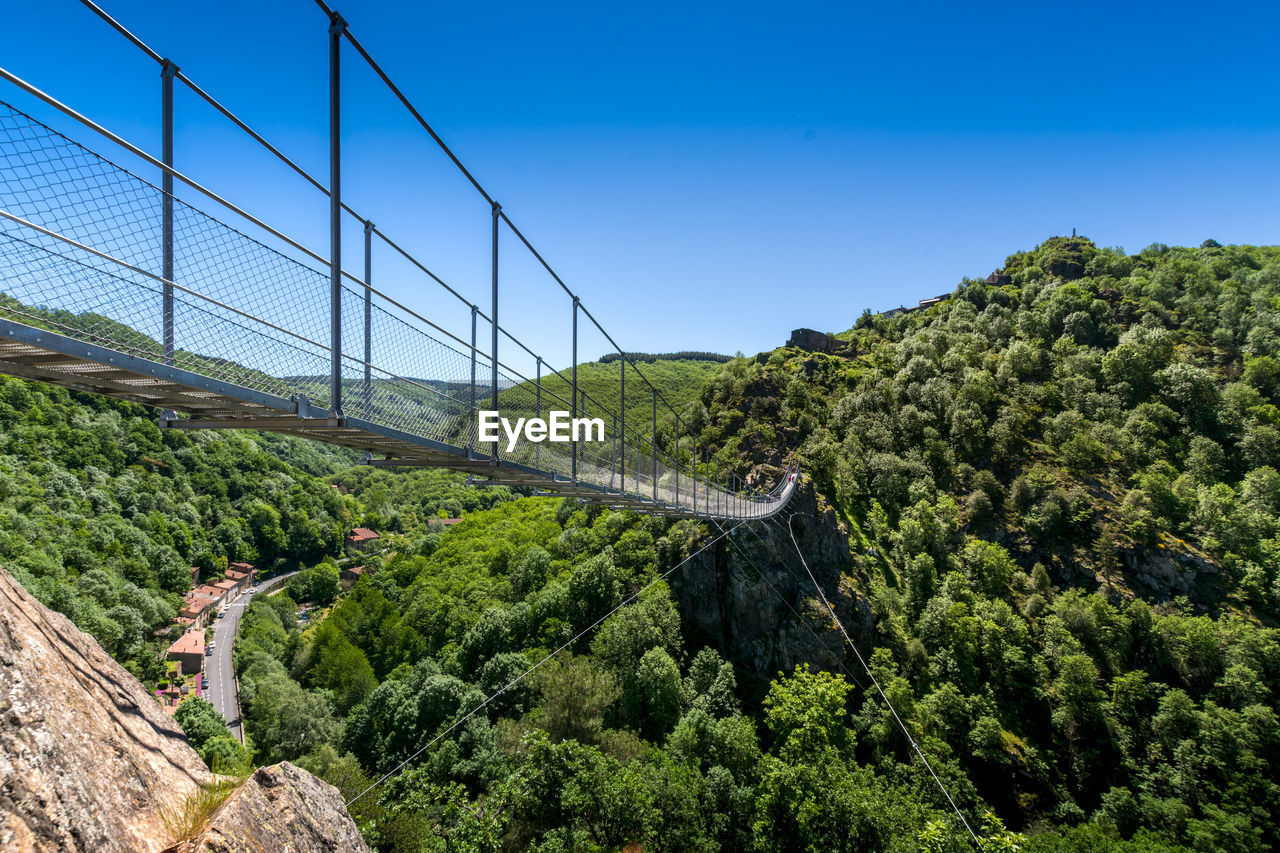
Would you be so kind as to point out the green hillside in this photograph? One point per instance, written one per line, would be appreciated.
(678, 381)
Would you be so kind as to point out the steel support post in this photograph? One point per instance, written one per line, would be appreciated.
(655, 445)
(622, 436)
(368, 320)
(537, 384)
(167, 72)
(677, 465)
(497, 210)
(336, 28)
(474, 424)
(695, 477)
(573, 396)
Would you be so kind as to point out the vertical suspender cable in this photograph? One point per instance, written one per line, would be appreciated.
(368, 320)
(474, 424)
(573, 445)
(537, 384)
(497, 209)
(167, 72)
(622, 436)
(336, 27)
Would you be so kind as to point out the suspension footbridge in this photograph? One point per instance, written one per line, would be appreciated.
(115, 285)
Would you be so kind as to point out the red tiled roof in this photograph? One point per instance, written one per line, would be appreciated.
(443, 521)
(353, 571)
(244, 567)
(190, 643)
(197, 603)
(361, 534)
(226, 584)
(233, 575)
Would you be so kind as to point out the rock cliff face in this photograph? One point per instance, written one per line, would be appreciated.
(90, 762)
(725, 598)
(1165, 574)
(281, 809)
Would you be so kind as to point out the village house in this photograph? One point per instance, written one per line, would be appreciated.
(228, 586)
(188, 651)
(199, 603)
(195, 611)
(351, 576)
(360, 540)
(242, 573)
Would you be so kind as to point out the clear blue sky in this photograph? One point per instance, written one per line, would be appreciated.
(711, 176)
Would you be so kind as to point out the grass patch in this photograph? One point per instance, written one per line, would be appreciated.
(193, 814)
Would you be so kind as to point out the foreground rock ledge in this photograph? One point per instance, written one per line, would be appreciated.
(88, 759)
(90, 762)
(279, 808)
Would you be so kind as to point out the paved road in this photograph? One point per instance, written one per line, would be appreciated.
(222, 683)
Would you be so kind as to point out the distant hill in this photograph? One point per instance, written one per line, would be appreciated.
(678, 380)
(669, 356)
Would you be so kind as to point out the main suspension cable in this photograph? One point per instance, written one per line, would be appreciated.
(635, 595)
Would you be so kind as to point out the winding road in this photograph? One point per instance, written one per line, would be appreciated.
(222, 683)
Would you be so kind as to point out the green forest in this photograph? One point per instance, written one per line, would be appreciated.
(1047, 513)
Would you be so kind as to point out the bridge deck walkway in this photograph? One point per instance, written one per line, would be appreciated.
(46, 356)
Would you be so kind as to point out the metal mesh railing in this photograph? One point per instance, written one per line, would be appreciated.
(81, 254)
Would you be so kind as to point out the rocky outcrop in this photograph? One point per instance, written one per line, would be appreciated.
(88, 760)
(808, 339)
(282, 809)
(1164, 574)
(751, 598)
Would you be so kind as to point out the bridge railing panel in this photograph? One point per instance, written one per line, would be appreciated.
(84, 257)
